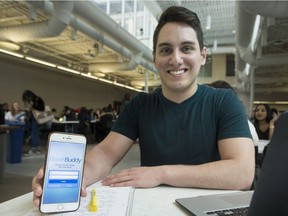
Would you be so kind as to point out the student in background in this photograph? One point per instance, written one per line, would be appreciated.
(33, 101)
(69, 114)
(264, 121)
(190, 135)
(5, 107)
(84, 121)
(15, 114)
(2, 115)
(97, 114)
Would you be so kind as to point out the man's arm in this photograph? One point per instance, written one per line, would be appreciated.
(235, 170)
(104, 156)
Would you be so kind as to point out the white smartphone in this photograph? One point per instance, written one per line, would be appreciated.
(63, 173)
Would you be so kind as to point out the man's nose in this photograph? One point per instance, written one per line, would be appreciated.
(176, 58)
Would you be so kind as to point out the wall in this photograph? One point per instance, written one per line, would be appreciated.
(57, 89)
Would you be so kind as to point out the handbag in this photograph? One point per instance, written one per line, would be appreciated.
(43, 117)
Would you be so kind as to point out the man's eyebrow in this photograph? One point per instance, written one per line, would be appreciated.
(164, 44)
(183, 43)
(188, 42)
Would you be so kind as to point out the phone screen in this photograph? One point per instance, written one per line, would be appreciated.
(63, 173)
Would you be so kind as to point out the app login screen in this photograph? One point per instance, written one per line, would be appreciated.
(64, 172)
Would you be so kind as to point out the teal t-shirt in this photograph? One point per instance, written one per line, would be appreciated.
(185, 133)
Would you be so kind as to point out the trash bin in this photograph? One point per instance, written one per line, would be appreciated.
(15, 143)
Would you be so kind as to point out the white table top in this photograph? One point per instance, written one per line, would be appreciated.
(158, 201)
(71, 122)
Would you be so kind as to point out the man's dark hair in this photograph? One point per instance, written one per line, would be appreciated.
(181, 15)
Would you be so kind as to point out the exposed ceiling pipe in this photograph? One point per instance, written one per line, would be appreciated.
(244, 25)
(278, 9)
(51, 28)
(244, 30)
(105, 40)
(108, 67)
(91, 13)
(62, 17)
(94, 31)
(246, 16)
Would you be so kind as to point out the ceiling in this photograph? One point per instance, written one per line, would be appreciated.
(80, 36)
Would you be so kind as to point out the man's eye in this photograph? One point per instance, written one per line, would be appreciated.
(165, 51)
(187, 49)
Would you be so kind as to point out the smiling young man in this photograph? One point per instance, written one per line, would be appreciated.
(190, 135)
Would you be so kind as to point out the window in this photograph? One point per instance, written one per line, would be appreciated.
(230, 65)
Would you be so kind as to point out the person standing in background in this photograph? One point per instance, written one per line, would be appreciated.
(33, 102)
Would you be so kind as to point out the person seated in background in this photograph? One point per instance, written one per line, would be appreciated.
(69, 114)
(105, 123)
(97, 114)
(2, 115)
(226, 85)
(84, 121)
(264, 121)
(190, 135)
(55, 114)
(15, 114)
(5, 107)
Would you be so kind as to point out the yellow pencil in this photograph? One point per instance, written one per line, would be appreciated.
(93, 201)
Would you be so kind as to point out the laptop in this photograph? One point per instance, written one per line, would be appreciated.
(270, 196)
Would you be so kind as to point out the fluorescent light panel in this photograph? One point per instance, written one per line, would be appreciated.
(68, 70)
(11, 53)
(89, 76)
(40, 62)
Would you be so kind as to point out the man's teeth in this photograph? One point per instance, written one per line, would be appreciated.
(177, 72)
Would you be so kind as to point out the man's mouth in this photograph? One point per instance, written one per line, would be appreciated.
(177, 72)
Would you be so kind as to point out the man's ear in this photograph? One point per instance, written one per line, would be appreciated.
(203, 56)
(154, 60)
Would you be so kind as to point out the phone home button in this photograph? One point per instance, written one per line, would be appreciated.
(60, 207)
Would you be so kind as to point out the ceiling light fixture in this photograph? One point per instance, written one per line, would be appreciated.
(11, 53)
(68, 70)
(40, 62)
(215, 45)
(208, 22)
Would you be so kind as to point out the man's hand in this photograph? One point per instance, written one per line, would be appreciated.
(142, 177)
(37, 187)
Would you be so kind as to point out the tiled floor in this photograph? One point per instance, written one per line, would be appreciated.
(18, 177)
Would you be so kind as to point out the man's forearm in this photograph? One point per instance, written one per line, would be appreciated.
(96, 166)
(223, 174)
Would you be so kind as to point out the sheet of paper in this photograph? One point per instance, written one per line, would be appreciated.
(112, 201)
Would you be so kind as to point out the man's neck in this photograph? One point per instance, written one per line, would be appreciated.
(179, 96)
